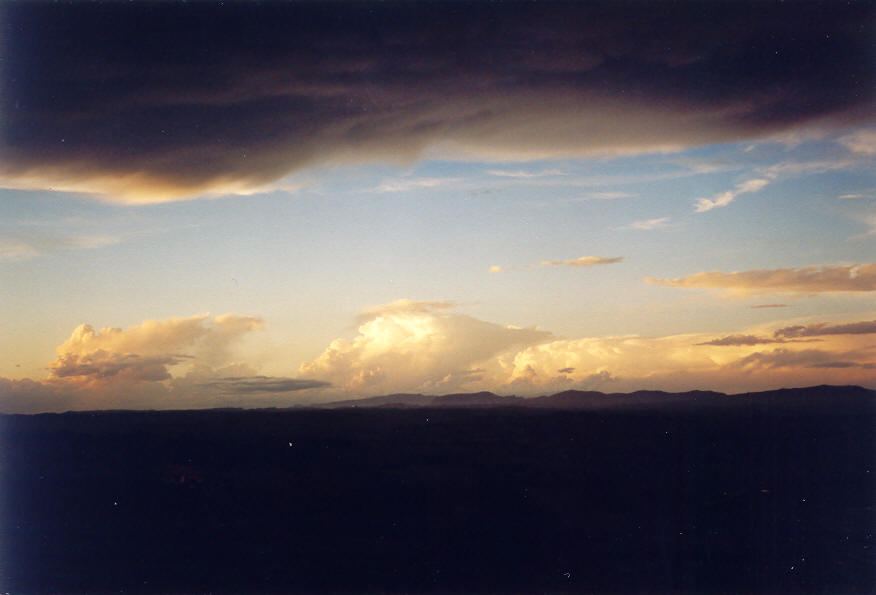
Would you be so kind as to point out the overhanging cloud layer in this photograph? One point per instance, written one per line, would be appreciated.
(161, 101)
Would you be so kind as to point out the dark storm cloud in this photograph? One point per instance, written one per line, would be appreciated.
(162, 100)
(262, 384)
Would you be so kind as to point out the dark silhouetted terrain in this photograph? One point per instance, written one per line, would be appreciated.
(771, 492)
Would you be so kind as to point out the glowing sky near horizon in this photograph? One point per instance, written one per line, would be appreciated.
(204, 205)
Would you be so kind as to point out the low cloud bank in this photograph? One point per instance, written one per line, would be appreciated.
(429, 347)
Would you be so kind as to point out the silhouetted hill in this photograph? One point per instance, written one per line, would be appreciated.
(767, 493)
(577, 399)
(401, 399)
(481, 399)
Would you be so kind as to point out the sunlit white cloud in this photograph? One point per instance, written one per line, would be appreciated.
(419, 346)
(410, 346)
(725, 198)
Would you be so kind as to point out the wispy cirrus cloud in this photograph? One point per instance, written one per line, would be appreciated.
(410, 184)
(856, 195)
(576, 263)
(648, 224)
(415, 346)
(525, 174)
(21, 246)
(814, 279)
(862, 142)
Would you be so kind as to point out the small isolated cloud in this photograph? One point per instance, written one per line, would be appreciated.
(581, 262)
(648, 224)
(855, 195)
(866, 327)
(261, 384)
(862, 142)
(725, 198)
(839, 278)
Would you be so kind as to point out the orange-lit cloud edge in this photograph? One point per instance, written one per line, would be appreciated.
(429, 347)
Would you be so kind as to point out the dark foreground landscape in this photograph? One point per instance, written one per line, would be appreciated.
(763, 493)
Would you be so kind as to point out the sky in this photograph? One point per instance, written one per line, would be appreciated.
(278, 204)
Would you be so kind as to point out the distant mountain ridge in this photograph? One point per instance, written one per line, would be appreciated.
(578, 399)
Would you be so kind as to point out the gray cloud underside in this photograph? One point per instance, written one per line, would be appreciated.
(262, 384)
(177, 99)
(796, 334)
(810, 358)
(738, 340)
(821, 329)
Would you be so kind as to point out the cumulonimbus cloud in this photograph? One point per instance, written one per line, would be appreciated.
(138, 367)
(414, 346)
(814, 279)
(410, 346)
(159, 101)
